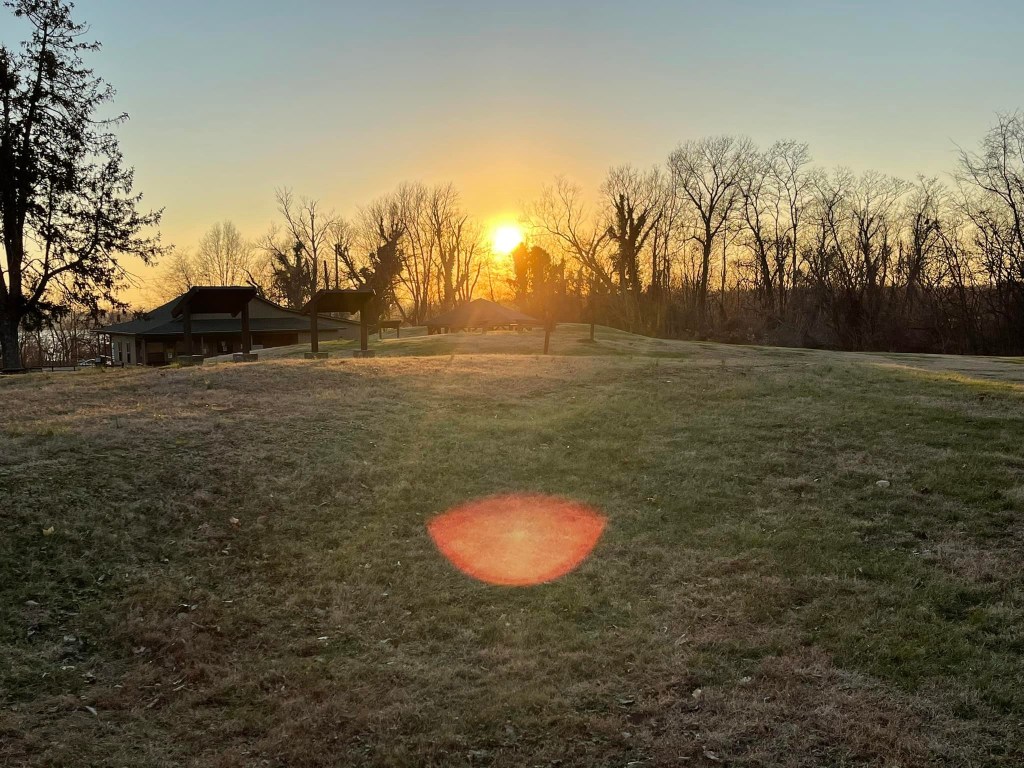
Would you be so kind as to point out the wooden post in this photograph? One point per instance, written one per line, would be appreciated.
(188, 329)
(314, 332)
(592, 331)
(364, 328)
(246, 334)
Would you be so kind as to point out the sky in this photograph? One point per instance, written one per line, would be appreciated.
(342, 101)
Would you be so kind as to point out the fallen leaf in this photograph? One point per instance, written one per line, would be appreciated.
(48, 531)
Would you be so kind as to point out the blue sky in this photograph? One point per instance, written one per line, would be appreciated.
(343, 100)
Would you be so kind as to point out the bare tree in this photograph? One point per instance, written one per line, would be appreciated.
(997, 171)
(707, 173)
(561, 221)
(293, 276)
(342, 239)
(960, 284)
(470, 258)
(298, 247)
(223, 257)
(177, 274)
(635, 203)
(419, 252)
(307, 223)
(924, 218)
(774, 190)
(375, 260)
(666, 245)
(458, 245)
(857, 235)
(992, 181)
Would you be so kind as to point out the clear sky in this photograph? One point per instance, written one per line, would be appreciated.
(343, 100)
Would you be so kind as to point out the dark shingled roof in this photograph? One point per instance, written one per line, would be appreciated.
(481, 313)
(348, 300)
(213, 299)
(160, 322)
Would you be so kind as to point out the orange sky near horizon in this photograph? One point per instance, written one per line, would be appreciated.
(497, 179)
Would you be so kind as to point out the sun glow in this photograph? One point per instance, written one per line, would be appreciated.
(505, 239)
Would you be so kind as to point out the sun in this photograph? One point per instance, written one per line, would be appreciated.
(505, 239)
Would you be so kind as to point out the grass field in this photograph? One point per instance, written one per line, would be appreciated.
(239, 573)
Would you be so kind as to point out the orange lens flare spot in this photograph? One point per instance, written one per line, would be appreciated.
(519, 539)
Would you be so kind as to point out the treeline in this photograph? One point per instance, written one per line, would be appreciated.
(68, 337)
(416, 247)
(731, 242)
(725, 241)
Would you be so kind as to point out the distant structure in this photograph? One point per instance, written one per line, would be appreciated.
(343, 301)
(483, 314)
(158, 337)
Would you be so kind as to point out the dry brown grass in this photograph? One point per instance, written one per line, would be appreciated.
(756, 599)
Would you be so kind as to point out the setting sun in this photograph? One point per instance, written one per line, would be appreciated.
(506, 238)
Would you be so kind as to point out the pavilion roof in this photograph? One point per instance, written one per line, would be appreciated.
(339, 300)
(214, 299)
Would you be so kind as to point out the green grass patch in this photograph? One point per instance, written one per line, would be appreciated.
(239, 571)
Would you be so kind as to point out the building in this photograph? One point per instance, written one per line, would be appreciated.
(158, 337)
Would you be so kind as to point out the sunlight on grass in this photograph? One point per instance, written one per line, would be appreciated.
(249, 545)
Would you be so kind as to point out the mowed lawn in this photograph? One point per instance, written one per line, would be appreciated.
(239, 572)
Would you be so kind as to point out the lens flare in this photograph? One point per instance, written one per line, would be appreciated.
(518, 539)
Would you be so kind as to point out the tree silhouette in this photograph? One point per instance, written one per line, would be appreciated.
(67, 205)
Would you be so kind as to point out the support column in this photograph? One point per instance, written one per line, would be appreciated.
(314, 332)
(188, 331)
(246, 332)
(364, 330)
(189, 358)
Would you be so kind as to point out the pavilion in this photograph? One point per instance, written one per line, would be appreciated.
(341, 300)
(215, 320)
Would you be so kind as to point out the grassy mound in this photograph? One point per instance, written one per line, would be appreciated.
(239, 572)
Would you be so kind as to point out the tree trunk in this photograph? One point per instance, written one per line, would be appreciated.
(702, 289)
(9, 342)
